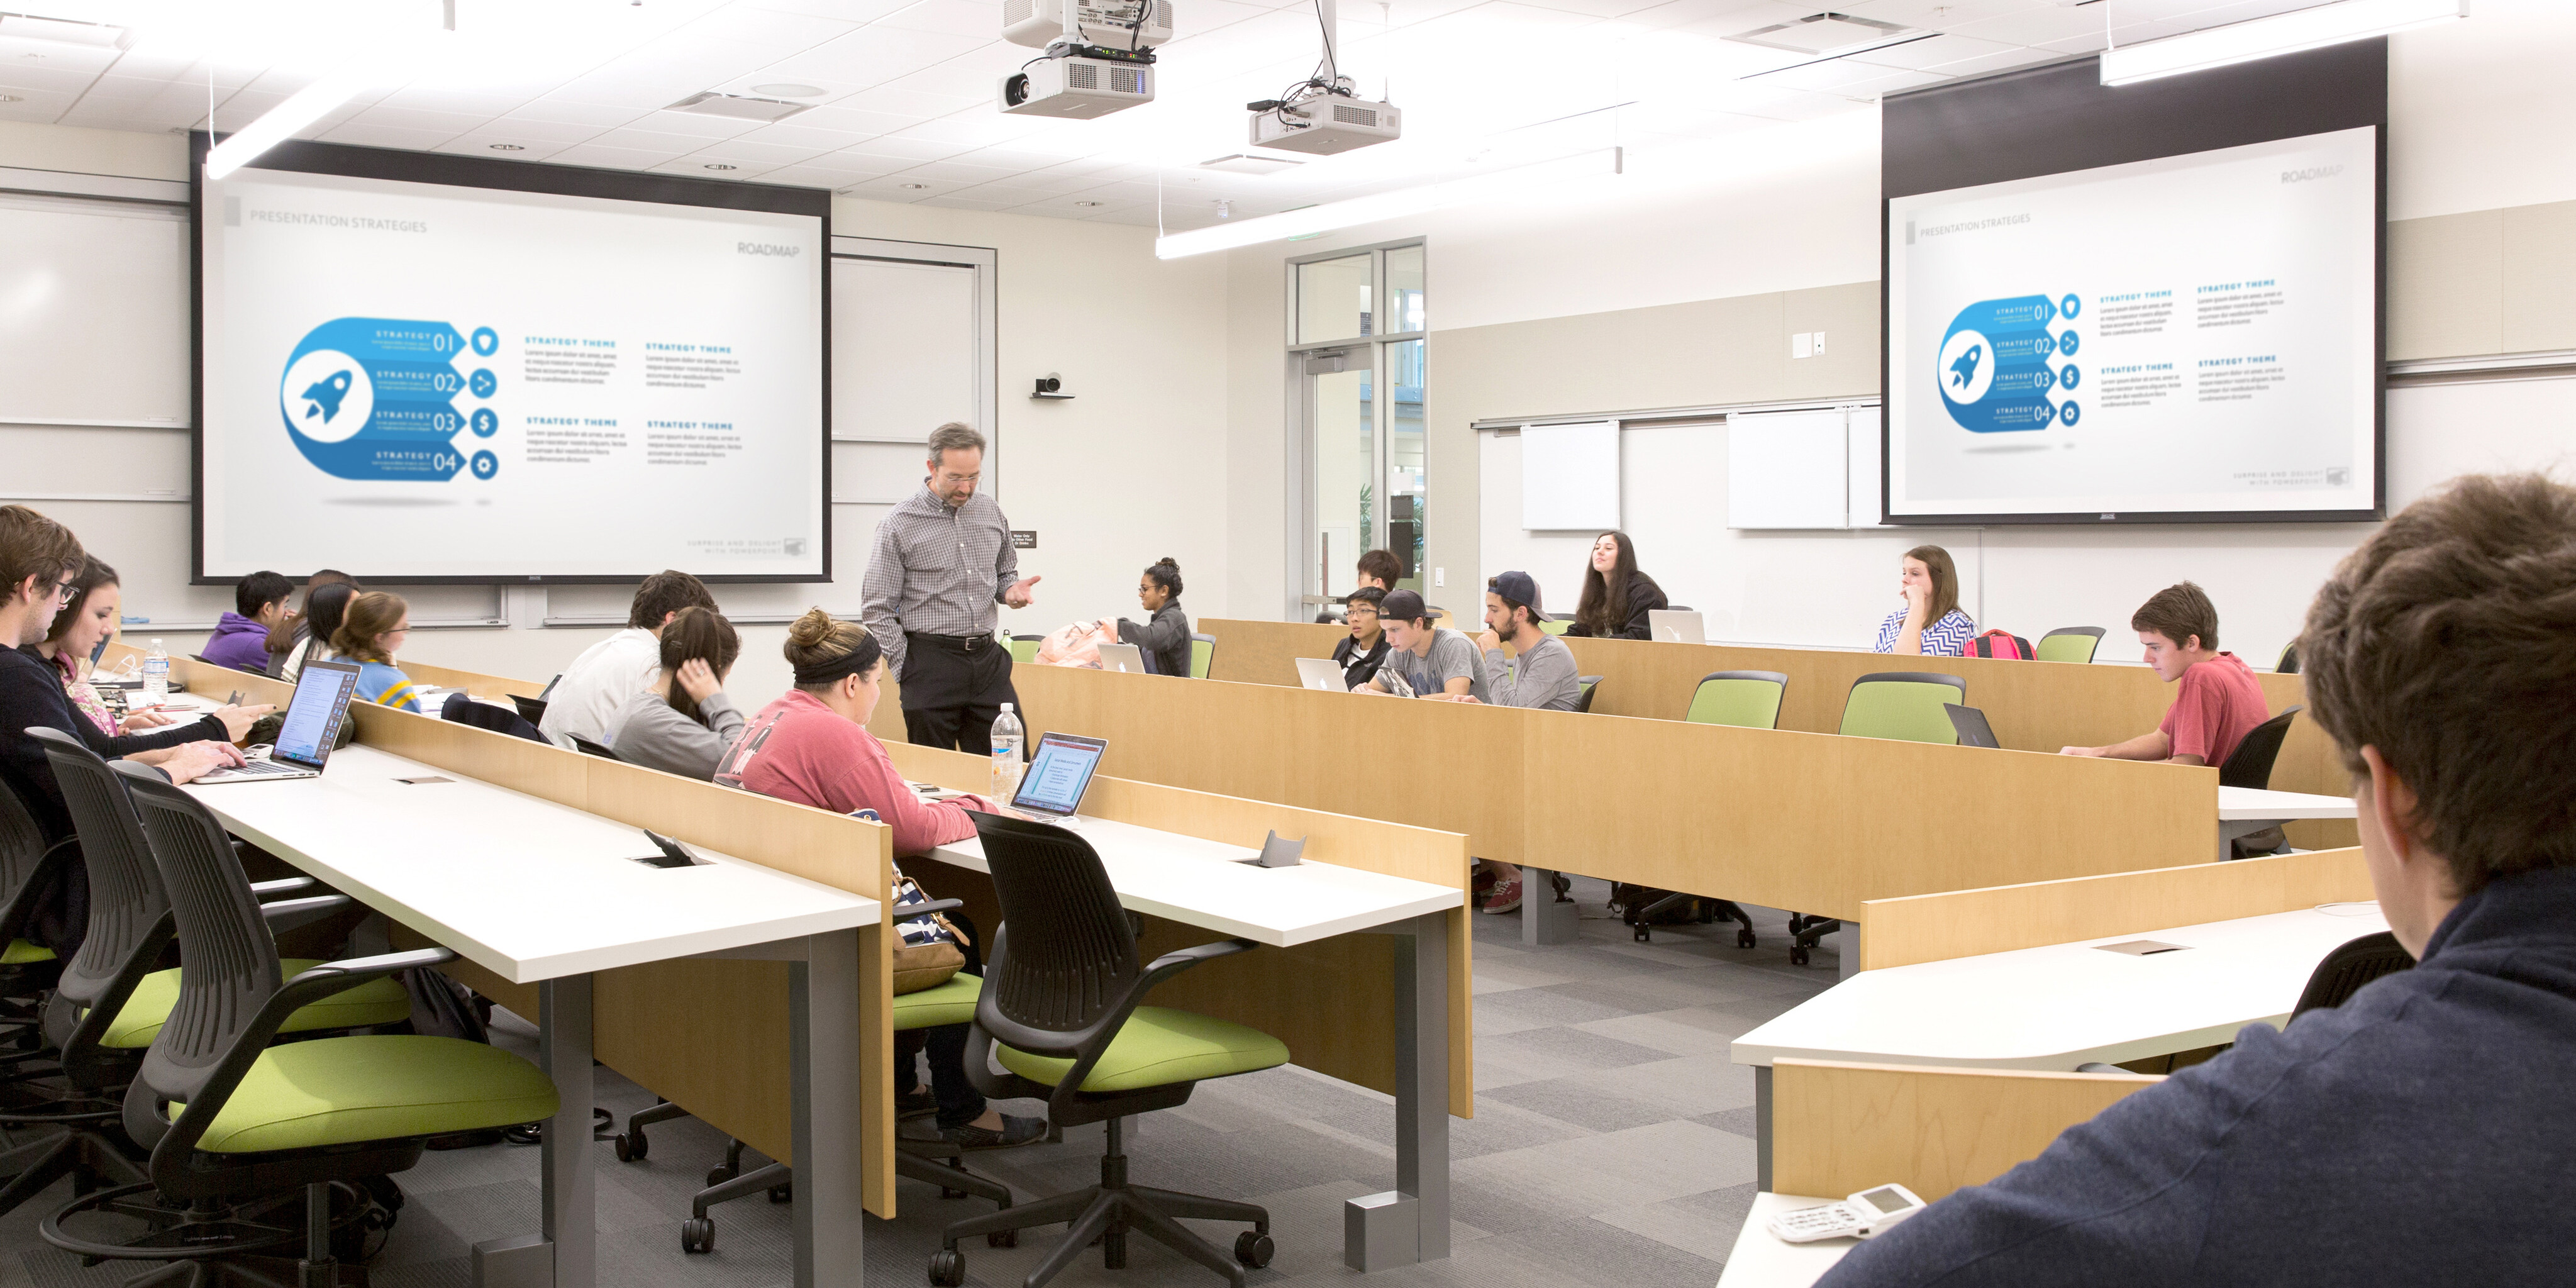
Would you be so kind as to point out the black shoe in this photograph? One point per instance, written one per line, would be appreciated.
(916, 1103)
(1015, 1131)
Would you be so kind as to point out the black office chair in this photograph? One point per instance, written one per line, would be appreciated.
(2250, 765)
(462, 709)
(29, 868)
(2289, 663)
(588, 748)
(1060, 997)
(532, 710)
(268, 1129)
(1591, 685)
(2347, 968)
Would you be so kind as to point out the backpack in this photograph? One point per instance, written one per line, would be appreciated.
(1999, 644)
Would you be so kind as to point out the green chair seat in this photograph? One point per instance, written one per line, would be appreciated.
(1903, 709)
(950, 1003)
(21, 953)
(1554, 627)
(1159, 1046)
(344, 1091)
(1202, 656)
(1025, 651)
(1745, 699)
(378, 1001)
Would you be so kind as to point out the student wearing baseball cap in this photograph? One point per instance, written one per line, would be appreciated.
(1435, 661)
(1538, 673)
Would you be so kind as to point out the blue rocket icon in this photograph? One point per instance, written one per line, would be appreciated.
(325, 395)
(1961, 372)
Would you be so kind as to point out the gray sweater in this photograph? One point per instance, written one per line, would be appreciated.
(1542, 676)
(647, 731)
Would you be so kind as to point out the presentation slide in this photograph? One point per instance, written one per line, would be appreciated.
(429, 381)
(2193, 335)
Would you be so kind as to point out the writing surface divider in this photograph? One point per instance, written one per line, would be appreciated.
(1839, 1128)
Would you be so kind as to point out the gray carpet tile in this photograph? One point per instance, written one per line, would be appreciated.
(1612, 1146)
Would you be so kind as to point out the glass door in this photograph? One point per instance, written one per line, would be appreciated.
(1342, 426)
(1357, 360)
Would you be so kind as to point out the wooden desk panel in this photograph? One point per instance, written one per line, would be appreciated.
(1842, 1128)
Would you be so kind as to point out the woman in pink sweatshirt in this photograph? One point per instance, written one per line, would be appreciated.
(812, 746)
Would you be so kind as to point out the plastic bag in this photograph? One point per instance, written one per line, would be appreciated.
(1077, 644)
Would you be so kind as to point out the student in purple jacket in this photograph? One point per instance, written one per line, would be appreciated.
(240, 640)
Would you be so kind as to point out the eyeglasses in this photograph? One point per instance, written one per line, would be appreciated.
(63, 589)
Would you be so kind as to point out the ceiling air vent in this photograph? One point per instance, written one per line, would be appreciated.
(1827, 35)
(741, 107)
(1239, 163)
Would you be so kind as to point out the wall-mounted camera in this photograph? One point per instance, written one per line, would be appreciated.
(1051, 387)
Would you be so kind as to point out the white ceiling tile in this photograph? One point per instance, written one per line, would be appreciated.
(803, 176)
(612, 158)
(859, 11)
(697, 125)
(452, 123)
(516, 129)
(848, 164)
(1201, 16)
(35, 76)
(730, 171)
(35, 105)
(783, 29)
(432, 99)
(55, 56)
(913, 103)
(966, 203)
(387, 136)
(744, 153)
(655, 141)
(910, 151)
(573, 113)
(956, 17)
(1936, 51)
(2037, 25)
(795, 133)
(480, 145)
(1940, 15)
(895, 187)
(952, 171)
(840, 120)
(873, 55)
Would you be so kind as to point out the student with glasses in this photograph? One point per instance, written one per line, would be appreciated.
(1363, 651)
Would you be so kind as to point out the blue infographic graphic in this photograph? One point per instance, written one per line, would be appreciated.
(375, 398)
(1993, 368)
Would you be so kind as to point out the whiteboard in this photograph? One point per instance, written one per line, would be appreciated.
(1570, 477)
(93, 312)
(1788, 469)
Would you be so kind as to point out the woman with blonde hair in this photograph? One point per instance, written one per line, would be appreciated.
(1931, 623)
(812, 746)
(371, 630)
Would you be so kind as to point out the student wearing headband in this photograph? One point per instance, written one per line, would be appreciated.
(812, 746)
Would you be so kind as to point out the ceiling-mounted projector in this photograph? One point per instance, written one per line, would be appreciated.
(1324, 124)
(1094, 82)
(1116, 24)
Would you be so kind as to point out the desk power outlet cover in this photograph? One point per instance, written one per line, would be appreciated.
(1278, 852)
(2143, 947)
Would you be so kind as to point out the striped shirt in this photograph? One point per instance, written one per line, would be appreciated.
(1947, 637)
(383, 684)
(937, 571)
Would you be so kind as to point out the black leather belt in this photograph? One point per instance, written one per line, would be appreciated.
(953, 643)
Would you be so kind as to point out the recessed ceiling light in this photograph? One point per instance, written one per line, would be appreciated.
(11, 98)
(739, 106)
(915, 187)
(718, 165)
(505, 147)
(1091, 203)
(787, 89)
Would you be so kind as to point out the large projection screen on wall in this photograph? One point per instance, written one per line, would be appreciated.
(2148, 303)
(422, 368)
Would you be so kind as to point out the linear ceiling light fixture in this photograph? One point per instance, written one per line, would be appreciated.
(2282, 33)
(1500, 186)
(319, 99)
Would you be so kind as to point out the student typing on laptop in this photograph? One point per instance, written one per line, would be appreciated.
(2216, 700)
(812, 746)
(1430, 661)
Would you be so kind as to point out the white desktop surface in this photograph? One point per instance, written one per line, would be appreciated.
(523, 887)
(2237, 804)
(2065, 1004)
(1185, 879)
(1762, 1259)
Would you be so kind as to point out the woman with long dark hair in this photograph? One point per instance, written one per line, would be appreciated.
(1616, 597)
(684, 723)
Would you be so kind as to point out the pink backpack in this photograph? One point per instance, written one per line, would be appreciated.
(1077, 644)
(1999, 644)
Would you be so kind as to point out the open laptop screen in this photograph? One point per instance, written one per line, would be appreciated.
(313, 715)
(1059, 774)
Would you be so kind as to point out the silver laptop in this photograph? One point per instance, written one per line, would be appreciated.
(1122, 657)
(1674, 626)
(311, 726)
(1321, 673)
(1052, 787)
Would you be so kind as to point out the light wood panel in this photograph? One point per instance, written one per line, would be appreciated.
(1814, 822)
(1838, 1129)
(1967, 923)
(2033, 706)
(1332, 1001)
(474, 682)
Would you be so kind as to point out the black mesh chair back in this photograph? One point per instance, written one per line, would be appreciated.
(462, 709)
(129, 917)
(2250, 765)
(1065, 954)
(24, 860)
(228, 969)
(1591, 685)
(532, 710)
(2347, 968)
(2289, 663)
(588, 748)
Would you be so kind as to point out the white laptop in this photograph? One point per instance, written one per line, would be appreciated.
(312, 724)
(1051, 789)
(1321, 673)
(1675, 627)
(1123, 657)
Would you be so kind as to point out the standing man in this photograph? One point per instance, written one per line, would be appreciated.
(943, 559)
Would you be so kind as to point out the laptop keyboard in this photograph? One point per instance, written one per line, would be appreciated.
(261, 768)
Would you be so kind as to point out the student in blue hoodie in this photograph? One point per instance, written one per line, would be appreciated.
(240, 640)
(2420, 1133)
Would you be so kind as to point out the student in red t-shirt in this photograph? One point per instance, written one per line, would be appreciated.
(2219, 701)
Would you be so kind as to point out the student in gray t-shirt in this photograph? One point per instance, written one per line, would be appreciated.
(1436, 661)
(1540, 676)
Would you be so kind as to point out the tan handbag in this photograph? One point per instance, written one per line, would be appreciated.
(921, 966)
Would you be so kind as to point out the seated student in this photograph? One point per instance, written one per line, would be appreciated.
(1435, 660)
(371, 632)
(2409, 1135)
(1379, 570)
(684, 723)
(2218, 700)
(1360, 653)
(324, 606)
(812, 746)
(609, 672)
(1540, 675)
(241, 638)
(283, 645)
(1165, 636)
(88, 619)
(1616, 597)
(1930, 624)
(40, 563)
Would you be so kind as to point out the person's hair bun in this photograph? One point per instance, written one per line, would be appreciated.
(814, 628)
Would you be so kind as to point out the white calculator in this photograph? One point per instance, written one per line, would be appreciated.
(1860, 1216)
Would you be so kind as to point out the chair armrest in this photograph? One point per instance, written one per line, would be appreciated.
(910, 911)
(282, 885)
(287, 914)
(358, 970)
(1104, 1031)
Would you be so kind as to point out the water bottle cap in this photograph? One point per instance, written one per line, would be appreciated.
(1006, 706)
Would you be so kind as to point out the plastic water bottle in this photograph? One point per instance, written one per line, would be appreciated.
(1008, 740)
(156, 673)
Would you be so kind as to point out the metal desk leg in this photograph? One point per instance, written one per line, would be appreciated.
(1544, 920)
(571, 1201)
(1847, 950)
(1762, 1127)
(823, 1057)
(1411, 1222)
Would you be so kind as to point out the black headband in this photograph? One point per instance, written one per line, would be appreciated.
(862, 658)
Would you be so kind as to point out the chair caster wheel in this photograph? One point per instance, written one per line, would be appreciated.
(1745, 939)
(947, 1268)
(697, 1235)
(1002, 1239)
(783, 1193)
(1797, 956)
(719, 1175)
(1645, 934)
(1253, 1248)
(632, 1147)
(946, 1193)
